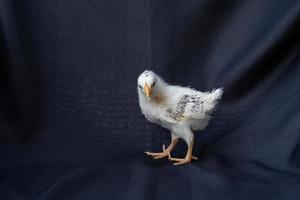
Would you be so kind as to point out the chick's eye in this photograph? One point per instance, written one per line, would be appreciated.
(153, 84)
(140, 86)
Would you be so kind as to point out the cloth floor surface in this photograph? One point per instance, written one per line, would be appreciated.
(70, 123)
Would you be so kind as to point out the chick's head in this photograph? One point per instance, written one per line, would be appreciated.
(146, 83)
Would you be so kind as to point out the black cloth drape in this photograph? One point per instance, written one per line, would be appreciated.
(70, 124)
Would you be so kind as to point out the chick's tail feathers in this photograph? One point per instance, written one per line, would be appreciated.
(213, 98)
(216, 95)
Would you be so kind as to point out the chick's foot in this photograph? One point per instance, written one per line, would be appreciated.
(159, 155)
(180, 161)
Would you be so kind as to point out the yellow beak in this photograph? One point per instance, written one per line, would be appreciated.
(148, 90)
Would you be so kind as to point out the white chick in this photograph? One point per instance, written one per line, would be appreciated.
(182, 110)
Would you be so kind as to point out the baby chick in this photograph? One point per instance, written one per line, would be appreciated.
(182, 110)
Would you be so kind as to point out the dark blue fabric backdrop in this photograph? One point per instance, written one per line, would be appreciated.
(70, 124)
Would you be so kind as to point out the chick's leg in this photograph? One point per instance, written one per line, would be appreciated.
(165, 153)
(188, 157)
